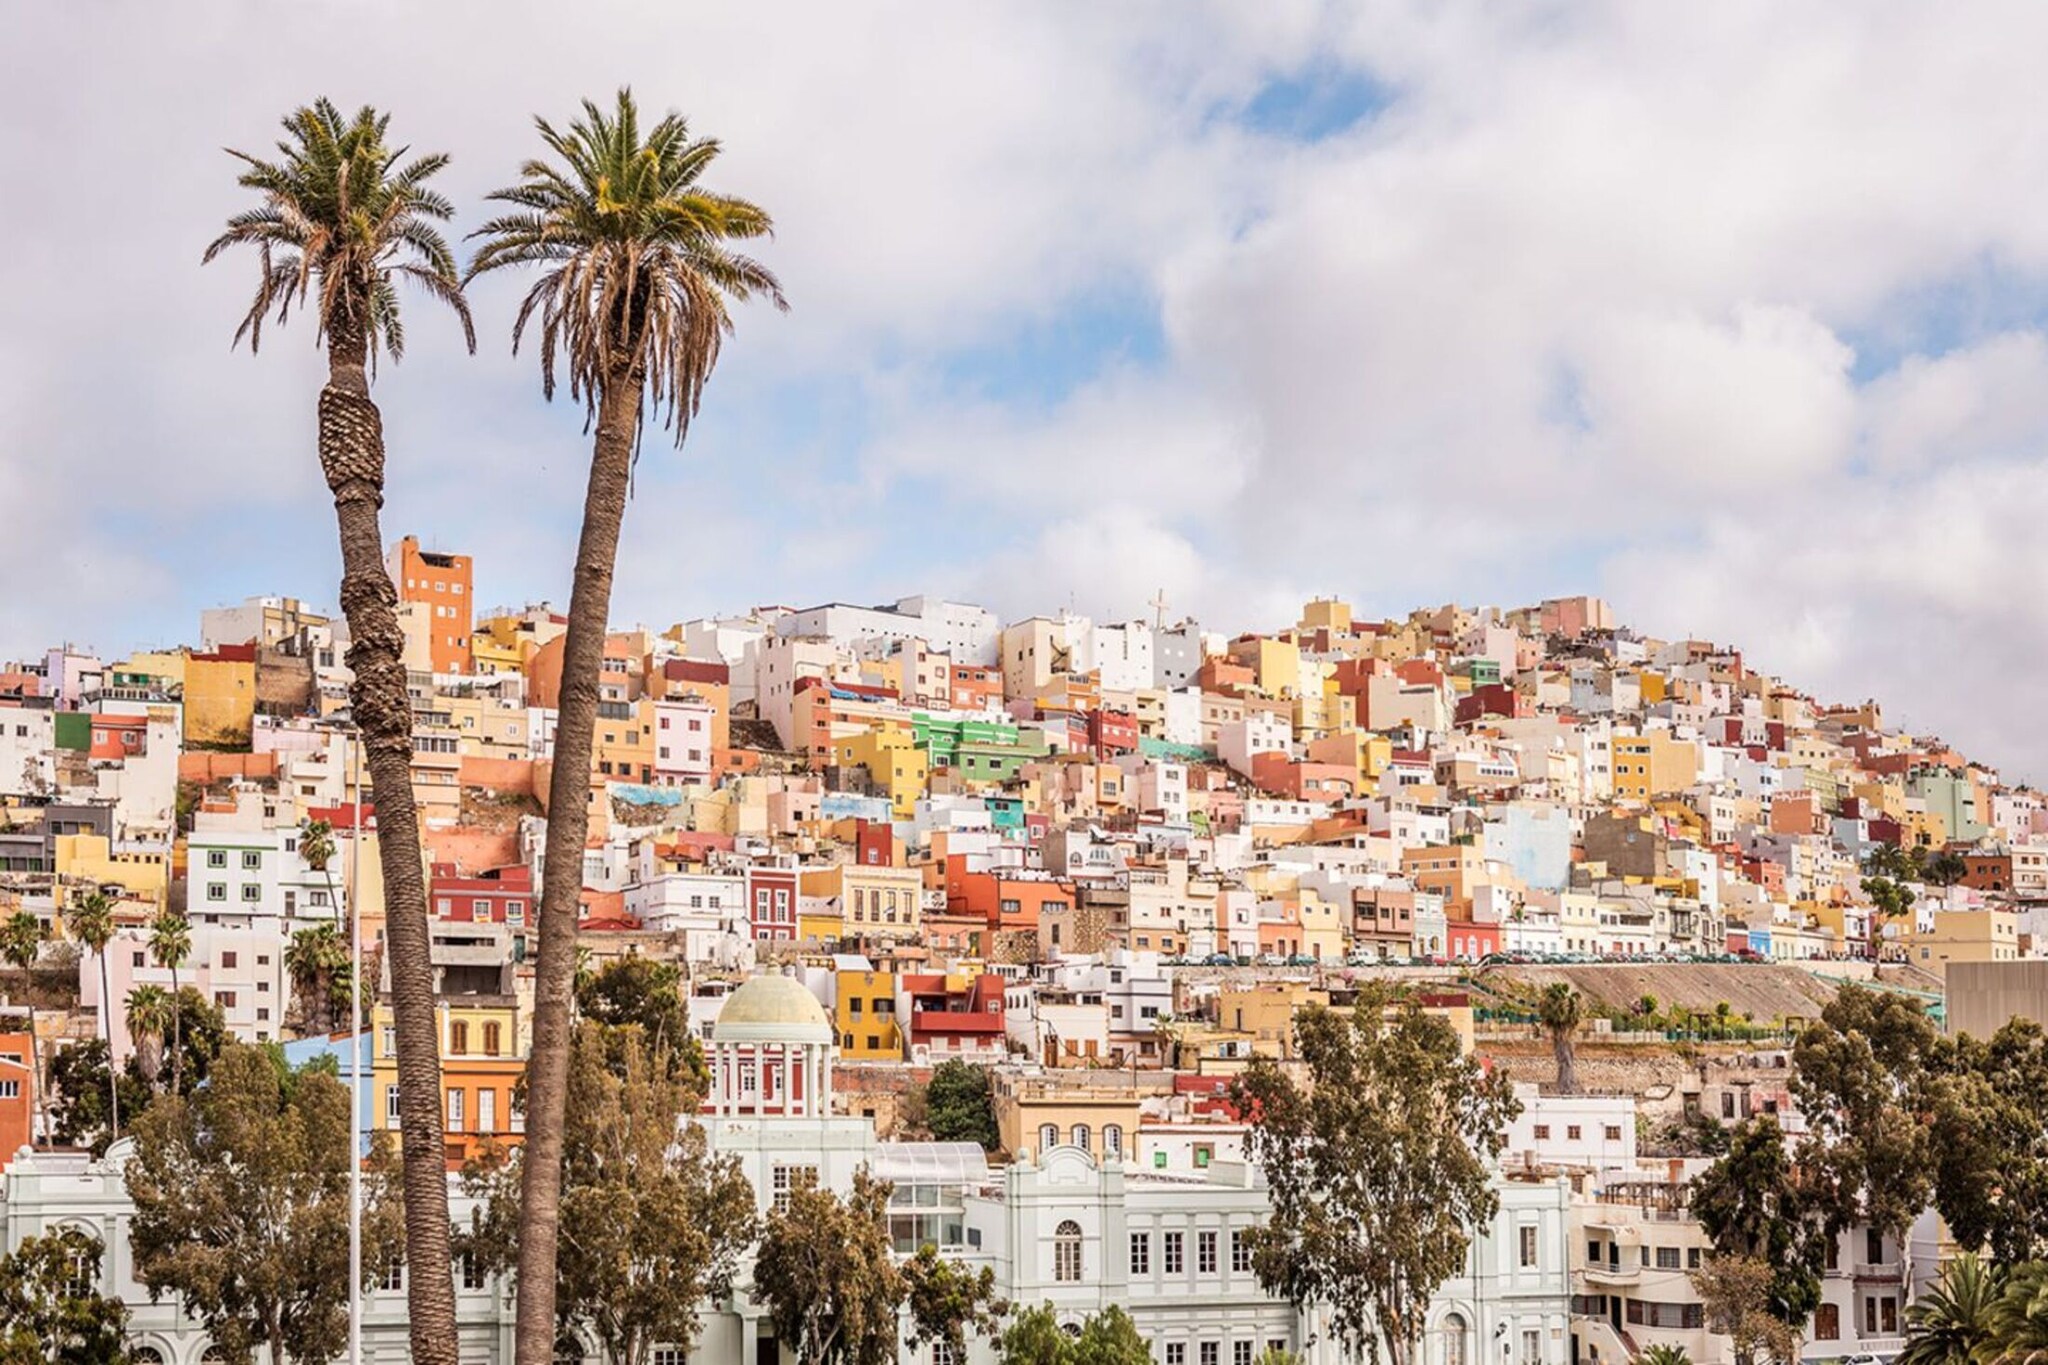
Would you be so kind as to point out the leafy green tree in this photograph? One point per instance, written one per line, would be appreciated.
(948, 1302)
(49, 1313)
(1953, 1320)
(960, 1106)
(661, 1223)
(91, 921)
(170, 943)
(1380, 1167)
(1035, 1337)
(637, 265)
(1946, 867)
(1561, 1010)
(1984, 1100)
(1280, 1355)
(648, 994)
(340, 221)
(21, 943)
(1753, 1205)
(152, 1016)
(825, 1274)
(1857, 1075)
(81, 1081)
(241, 1197)
(1736, 1295)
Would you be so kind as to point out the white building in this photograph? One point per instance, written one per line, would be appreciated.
(967, 633)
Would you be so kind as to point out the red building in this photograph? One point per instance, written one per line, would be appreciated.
(1493, 699)
(1111, 733)
(956, 1022)
(772, 899)
(119, 736)
(1005, 903)
(17, 1094)
(976, 689)
(498, 895)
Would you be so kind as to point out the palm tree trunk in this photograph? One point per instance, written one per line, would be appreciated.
(547, 1068)
(352, 458)
(1562, 1048)
(177, 1034)
(113, 1071)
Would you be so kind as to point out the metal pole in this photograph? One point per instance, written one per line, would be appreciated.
(355, 1068)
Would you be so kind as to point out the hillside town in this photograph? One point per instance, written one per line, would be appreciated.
(1106, 864)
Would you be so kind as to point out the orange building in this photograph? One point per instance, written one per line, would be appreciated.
(442, 583)
(17, 1094)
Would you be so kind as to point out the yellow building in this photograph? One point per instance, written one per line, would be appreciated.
(864, 1012)
(894, 763)
(1966, 936)
(1275, 663)
(1264, 1013)
(1323, 925)
(485, 727)
(483, 1055)
(623, 747)
(1327, 613)
(90, 860)
(1035, 1113)
(220, 698)
(1653, 764)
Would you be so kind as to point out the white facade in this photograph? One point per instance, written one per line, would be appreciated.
(682, 743)
(967, 633)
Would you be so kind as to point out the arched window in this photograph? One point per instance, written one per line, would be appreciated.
(1080, 1136)
(494, 1039)
(1066, 1252)
(1454, 1340)
(1112, 1139)
(146, 1355)
(1048, 1137)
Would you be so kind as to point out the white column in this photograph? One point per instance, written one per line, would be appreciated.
(788, 1079)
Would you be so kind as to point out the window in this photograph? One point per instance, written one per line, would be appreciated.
(1240, 1251)
(1532, 1346)
(1048, 1137)
(454, 1109)
(942, 1354)
(473, 1276)
(1112, 1139)
(1612, 1132)
(1454, 1340)
(1240, 1353)
(1667, 1258)
(1692, 1258)
(1175, 1253)
(393, 1278)
(1066, 1252)
(1205, 1256)
(1528, 1239)
(1141, 1253)
(786, 1179)
(487, 1111)
(1080, 1137)
(216, 891)
(1176, 1353)
(1873, 1246)
(1542, 1132)
(1827, 1323)
(1571, 1132)
(391, 1104)
(252, 862)
(216, 857)
(1209, 1353)
(252, 892)
(458, 1037)
(493, 1039)
(10, 1090)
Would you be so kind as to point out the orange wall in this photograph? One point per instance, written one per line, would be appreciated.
(446, 589)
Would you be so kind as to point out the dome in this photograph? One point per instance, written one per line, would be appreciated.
(772, 1009)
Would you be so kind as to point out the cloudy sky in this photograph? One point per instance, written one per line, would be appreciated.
(1733, 313)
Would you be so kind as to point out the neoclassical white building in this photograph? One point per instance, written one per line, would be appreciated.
(1058, 1226)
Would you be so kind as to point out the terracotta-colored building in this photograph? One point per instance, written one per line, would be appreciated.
(17, 1094)
(442, 583)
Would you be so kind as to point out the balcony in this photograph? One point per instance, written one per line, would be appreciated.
(1888, 1272)
(1608, 1274)
(955, 1021)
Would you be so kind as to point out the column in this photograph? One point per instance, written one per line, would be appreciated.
(788, 1078)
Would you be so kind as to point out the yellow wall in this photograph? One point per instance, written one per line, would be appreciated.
(896, 765)
(1653, 765)
(220, 701)
(90, 860)
(864, 1011)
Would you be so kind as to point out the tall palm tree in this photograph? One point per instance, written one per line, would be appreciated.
(91, 922)
(21, 942)
(637, 269)
(2019, 1320)
(151, 1013)
(1561, 1011)
(341, 220)
(1953, 1319)
(170, 943)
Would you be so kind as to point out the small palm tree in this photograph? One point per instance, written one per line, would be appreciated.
(318, 965)
(637, 265)
(152, 1012)
(1561, 1011)
(1955, 1320)
(342, 219)
(170, 943)
(1662, 1354)
(21, 942)
(91, 922)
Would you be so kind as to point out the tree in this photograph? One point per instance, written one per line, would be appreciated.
(1984, 1100)
(91, 922)
(1953, 1320)
(660, 1224)
(2019, 1318)
(1035, 1337)
(947, 1302)
(83, 1083)
(1857, 1076)
(825, 1274)
(50, 1311)
(649, 995)
(21, 942)
(1379, 1168)
(339, 224)
(959, 1106)
(241, 1197)
(170, 943)
(637, 269)
(1663, 1354)
(323, 979)
(152, 1016)
(1735, 1293)
(1946, 867)
(1561, 1011)
(1754, 1207)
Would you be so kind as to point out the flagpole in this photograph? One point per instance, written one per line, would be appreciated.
(355, 1068)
